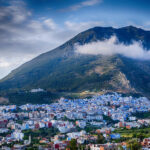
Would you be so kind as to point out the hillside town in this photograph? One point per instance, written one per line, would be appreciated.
(101, 122)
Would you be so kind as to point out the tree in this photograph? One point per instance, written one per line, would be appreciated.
(100, 139)
(120, 148)
(133, 145)
(140, 136)
(81, 147)
(73, 144)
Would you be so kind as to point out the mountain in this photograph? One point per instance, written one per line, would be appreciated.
(63, 70)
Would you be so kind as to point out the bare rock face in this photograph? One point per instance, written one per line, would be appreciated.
(121, 83)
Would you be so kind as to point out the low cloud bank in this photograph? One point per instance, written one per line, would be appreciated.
(112, 46)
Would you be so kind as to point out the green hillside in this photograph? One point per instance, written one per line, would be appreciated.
(63, 70)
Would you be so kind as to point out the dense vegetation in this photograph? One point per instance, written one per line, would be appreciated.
(43, 132)
(134, 133)
(142, 115)
(20, 98)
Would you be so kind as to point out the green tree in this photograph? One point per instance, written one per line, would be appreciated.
(133, 145)
(140, 136)
(100, 139)
(73, 144)
(120, 148)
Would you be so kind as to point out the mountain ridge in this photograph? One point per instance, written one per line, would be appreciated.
(61, 69)
(91, 29)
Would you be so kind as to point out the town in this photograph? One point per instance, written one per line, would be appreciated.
(104, 122)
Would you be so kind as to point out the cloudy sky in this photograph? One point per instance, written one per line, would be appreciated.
(31, 27)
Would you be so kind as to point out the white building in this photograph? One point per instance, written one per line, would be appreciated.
(18, 135)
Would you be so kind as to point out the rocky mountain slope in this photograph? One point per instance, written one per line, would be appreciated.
(63, 70)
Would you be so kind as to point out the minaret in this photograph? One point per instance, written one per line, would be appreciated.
(29, 139)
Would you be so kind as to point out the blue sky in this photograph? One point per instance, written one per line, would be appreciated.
(31, 27)
(118, 12)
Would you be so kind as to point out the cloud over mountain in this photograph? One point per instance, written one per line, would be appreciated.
(112, 46)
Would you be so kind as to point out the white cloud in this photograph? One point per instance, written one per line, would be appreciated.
(81, 26)
(14, 13)
(50, 23)
(90, 2)
(4, 63)
(84, 4)
(112, 46)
